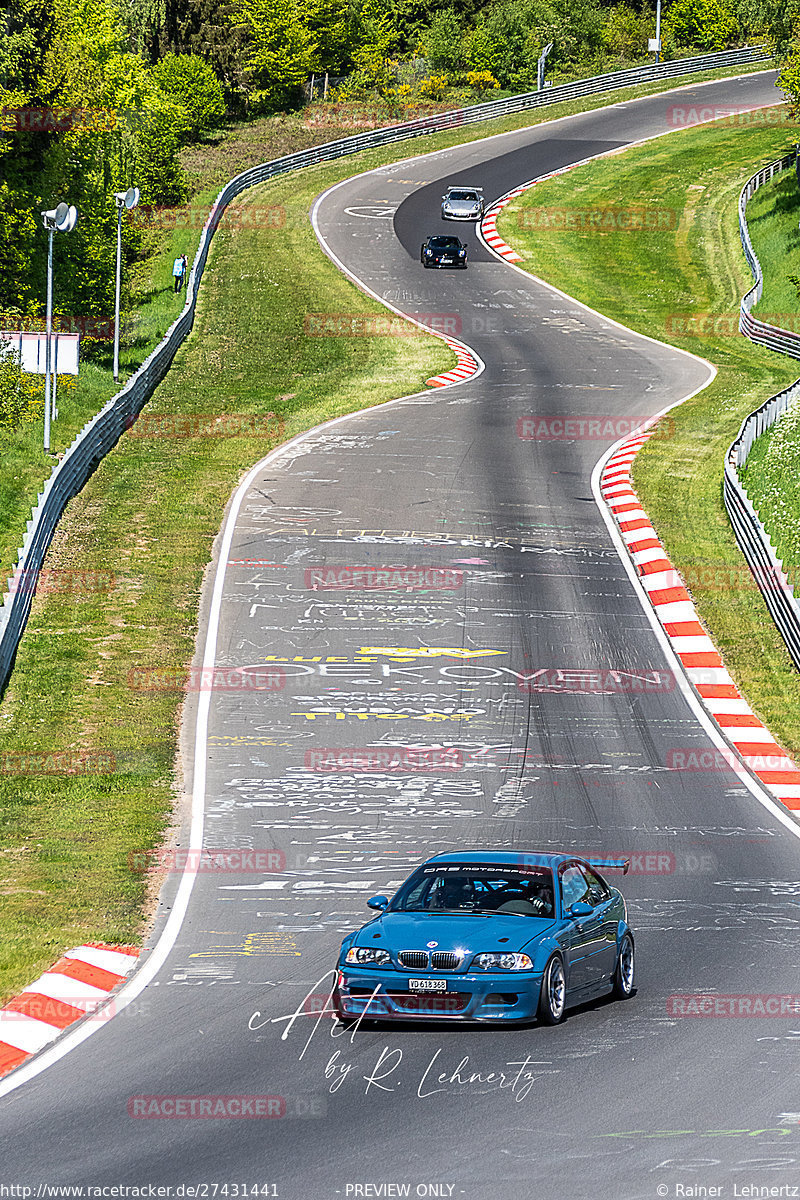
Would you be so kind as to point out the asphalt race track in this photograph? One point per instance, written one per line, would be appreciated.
(622, 1100)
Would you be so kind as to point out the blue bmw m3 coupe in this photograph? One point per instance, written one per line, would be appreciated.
(489, 936)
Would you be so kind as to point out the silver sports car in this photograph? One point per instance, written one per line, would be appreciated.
(462, 204)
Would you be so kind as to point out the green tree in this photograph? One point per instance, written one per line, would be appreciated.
(25, 36)
(789, 78)
(377, 39)
(443, 42)
(625, 31)
(192, 85)
(282, 52)
(157, 169)
(707, 24)
(777, 20)
(331, 24)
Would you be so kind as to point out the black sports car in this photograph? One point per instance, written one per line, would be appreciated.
(443, 251)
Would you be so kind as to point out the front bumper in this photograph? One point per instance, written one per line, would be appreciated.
(501, 996)
(452, 216)
(445, 260)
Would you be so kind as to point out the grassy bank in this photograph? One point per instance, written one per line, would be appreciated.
(772, 219)
(670, 282)
(772, 471)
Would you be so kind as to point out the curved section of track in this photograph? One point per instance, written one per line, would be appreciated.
(521, 644)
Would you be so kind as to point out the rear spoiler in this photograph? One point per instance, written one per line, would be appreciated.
(611, 864)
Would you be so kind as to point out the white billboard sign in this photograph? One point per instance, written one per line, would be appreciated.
(32, 351)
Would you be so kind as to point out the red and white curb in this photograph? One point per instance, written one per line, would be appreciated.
(79, 983)
(465, 368)
(751, 740)
(489, 226)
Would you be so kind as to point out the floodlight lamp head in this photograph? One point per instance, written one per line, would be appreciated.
(127, 199)
(63, 218)
(69, 219)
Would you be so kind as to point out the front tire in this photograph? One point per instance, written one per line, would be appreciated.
(553, 996)
(622, 985)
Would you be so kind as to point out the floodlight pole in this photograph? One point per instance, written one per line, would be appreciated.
(540, 66)
(658, 30)
(129, 200)
(49, 328)
(60, 219)
(120, 206)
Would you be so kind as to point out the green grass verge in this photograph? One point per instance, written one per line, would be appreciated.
(772, 472)
(772, 219)
(149, 514)
(644, 279)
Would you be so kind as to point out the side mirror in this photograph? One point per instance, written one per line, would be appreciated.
(379, 902)
(581, 909)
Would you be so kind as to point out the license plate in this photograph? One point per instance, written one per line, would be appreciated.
(448, 262)
(427, 985)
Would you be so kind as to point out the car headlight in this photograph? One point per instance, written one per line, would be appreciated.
(368, 954)
(502, 962)
(429, 251)
(462, 254)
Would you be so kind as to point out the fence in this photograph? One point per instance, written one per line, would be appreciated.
(753, 539)
(103, 431)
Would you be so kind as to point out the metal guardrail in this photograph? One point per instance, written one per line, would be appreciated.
(753, 539)
(103, 431)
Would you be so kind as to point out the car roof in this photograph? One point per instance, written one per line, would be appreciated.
(463, 187)
(506, 857)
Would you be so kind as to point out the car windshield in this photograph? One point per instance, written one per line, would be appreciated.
(445, 243)
(526, 891)
(462, 196)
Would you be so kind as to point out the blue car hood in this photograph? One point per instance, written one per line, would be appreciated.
(453, 931)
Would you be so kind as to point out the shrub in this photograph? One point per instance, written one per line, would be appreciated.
(21, 395)
(707, 24)
(434, 87)
(481, 81)
(191, 83)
